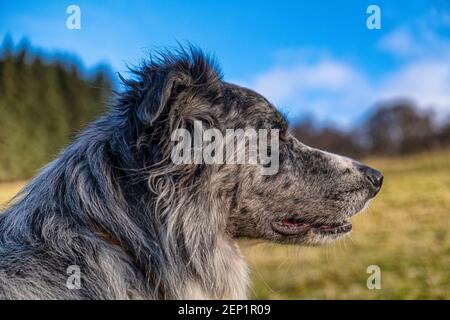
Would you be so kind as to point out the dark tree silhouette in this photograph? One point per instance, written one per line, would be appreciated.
(399, 128)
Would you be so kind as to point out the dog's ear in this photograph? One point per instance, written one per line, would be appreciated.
(173, 83)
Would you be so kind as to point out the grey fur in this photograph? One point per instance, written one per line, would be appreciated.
(141, 227)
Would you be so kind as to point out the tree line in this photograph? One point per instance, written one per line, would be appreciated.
(395, 127)
(43, 101)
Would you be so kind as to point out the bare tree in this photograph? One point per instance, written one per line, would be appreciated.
(399, 128)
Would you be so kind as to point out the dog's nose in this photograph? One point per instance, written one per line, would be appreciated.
(374, 177)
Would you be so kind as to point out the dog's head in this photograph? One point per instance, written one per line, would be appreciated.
(311, 197)
(308, 199)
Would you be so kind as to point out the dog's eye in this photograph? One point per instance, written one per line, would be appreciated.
(277, 126)
(282, 129)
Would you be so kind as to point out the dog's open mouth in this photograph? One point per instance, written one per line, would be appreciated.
(297, 226)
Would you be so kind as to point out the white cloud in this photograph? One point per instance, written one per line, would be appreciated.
(419, 41)
(328, 89)
(427, 82)
(333, 89)
(401, 43)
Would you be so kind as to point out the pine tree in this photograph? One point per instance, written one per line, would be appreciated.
(42, 104)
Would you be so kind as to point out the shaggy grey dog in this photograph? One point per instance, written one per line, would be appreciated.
(115, 208)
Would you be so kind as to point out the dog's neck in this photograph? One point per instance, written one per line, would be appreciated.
(232, 279)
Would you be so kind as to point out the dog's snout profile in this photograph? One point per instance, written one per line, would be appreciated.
(373, 176)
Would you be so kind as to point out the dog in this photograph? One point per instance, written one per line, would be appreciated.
(113, 217)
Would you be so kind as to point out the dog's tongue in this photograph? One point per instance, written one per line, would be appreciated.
(289, 222)
(288, 227)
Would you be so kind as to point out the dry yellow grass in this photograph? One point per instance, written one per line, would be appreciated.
(406, 232)
(8, 190)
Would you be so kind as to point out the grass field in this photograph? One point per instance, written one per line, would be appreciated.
(406, 232)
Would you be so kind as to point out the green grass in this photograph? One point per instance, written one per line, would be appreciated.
(406, 232)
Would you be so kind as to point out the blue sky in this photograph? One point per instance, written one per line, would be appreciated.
(314, 58)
